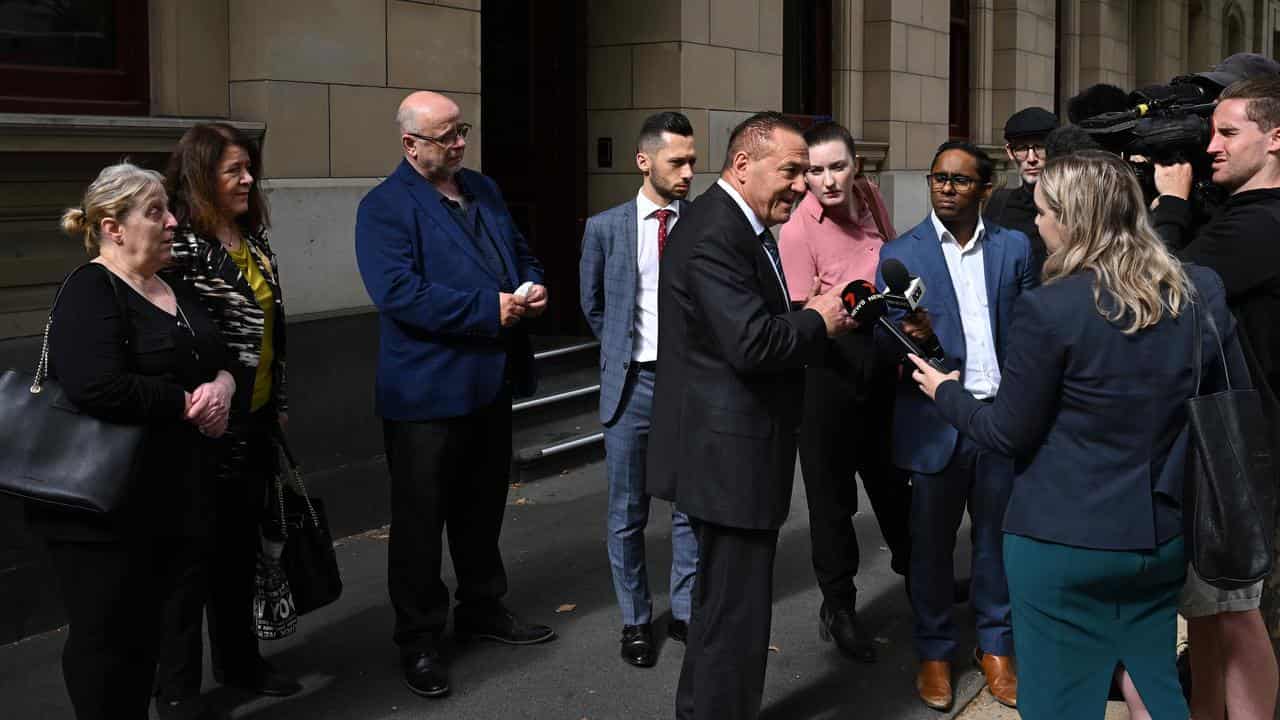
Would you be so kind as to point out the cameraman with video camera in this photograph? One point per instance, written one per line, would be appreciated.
(1232, 663)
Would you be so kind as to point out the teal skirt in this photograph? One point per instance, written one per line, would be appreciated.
(1077, 613)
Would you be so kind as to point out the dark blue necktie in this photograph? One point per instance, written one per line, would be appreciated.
(771, 247)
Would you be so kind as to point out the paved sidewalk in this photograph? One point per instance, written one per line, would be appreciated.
(558, 569)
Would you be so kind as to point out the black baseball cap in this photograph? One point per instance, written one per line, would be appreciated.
(1239, 67)
(1030, 122)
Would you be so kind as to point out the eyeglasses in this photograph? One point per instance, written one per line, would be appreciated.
(1020, 152)
(938, 181)
(448, 139)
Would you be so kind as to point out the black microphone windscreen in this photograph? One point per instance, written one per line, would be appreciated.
(862, 302)
(895, 275)
(1068, 139)
(1095, 100)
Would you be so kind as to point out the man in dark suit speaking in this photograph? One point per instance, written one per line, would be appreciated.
(728, 401)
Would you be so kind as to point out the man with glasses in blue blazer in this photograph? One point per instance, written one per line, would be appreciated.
(972, 273)
(453, 281)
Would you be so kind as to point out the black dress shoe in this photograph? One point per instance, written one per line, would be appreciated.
(678, 630)
(637, 645)
(426, 674)
(841, 624)
(263, 680)
(500, 625)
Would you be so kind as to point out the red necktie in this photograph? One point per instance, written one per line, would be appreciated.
(662, 228)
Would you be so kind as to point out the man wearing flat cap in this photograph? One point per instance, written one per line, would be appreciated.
(1015, 208)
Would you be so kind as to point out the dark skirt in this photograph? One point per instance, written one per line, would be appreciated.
(1077, 613)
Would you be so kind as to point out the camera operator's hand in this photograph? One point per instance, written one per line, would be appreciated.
(1173, 180)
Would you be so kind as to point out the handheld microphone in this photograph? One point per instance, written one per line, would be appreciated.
(907, 292)
(863, 303)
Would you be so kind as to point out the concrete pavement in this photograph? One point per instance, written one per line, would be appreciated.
(553, 544)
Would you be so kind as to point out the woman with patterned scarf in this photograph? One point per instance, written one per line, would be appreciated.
(221, 248)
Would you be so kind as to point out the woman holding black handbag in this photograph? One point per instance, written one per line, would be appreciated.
(1093, 407)
(221, 247)
(128, 347)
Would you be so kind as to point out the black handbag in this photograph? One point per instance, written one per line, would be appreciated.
(1229, 508)
(308, 559)
(52, 452)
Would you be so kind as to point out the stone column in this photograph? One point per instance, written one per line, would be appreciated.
(717, 61)
(906, 63)
(1105, 31)
(1022, 51)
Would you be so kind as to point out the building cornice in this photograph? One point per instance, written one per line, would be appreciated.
(25, 132)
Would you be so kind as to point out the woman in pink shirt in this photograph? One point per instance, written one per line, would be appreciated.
(836, 234)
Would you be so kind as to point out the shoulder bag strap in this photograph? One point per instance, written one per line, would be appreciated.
(1197, 352)
(42, 367)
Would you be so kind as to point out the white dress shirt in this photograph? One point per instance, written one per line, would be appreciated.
(645, 348)
(981, 374)
(758, 227)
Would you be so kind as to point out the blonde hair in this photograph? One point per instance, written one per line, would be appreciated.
(116, 191)
(1106, 231)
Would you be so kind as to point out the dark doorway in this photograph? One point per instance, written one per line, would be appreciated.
(533, 115)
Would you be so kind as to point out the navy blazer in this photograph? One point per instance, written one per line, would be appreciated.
(923, 442)
(1095, 419)
(443, 352)
(609, 278)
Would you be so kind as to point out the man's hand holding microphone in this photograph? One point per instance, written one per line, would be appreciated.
(831, 307)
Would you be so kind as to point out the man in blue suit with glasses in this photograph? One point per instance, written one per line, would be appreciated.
(973, 273)
(453, 281)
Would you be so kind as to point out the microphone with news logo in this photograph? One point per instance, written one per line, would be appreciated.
(867, 306)
(906, 291)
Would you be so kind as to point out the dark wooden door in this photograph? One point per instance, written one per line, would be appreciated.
(533, 111)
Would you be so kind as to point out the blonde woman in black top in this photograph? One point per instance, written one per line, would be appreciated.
(129, 347)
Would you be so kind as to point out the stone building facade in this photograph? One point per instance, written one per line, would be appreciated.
(556, 90)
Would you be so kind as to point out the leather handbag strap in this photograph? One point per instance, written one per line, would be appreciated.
(1197, 356)
(42, 367)
(296, 472)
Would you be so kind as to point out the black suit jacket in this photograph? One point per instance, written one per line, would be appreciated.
(730, 380)
(1095, 419)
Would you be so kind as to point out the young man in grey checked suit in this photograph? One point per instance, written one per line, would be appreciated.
(619, 276)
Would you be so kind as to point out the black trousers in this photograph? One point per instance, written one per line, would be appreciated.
(728, 647)
(114, 593)
(217, 578)
(846, 430)
(447, 476)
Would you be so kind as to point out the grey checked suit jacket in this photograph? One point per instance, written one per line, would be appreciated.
(608, 279)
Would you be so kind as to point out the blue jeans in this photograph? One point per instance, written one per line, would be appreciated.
(626, 442)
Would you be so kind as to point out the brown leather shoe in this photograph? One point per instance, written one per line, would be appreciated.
(933, 683)
(1002, 678)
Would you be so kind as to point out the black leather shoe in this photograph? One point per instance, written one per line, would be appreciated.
(842, 625)
(637, 645)
(678, 630)
(426, 674)
(264, 680)
(500, 625)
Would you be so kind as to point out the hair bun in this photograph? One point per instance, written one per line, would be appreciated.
(74, 221)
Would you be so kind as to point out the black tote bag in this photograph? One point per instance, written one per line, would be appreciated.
(309, 561)
(1229, 509)
(52, 452)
